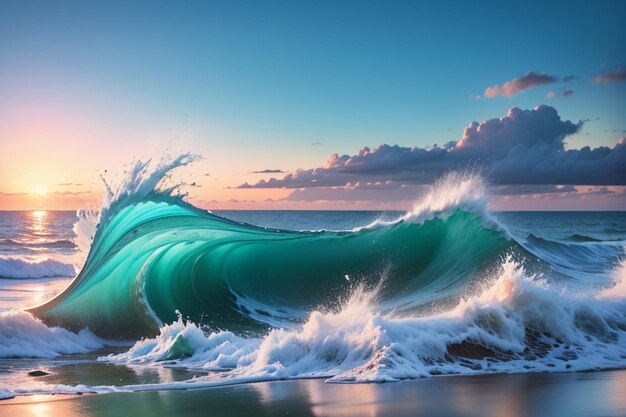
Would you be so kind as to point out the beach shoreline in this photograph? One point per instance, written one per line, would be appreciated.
(587, 394)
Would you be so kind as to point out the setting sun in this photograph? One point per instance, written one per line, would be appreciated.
(41, 191)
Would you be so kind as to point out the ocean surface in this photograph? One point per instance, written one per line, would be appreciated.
(38, 254)
(205, 299)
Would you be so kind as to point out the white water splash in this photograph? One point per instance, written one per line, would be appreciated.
(140, 180)
(22, 335)
(452, 191)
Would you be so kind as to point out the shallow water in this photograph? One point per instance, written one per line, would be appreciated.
(529, 395)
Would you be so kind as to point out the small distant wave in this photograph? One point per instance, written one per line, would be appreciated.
(18, 268)
(588, 261)
(579, 238)
(53, 244)
(582, 238)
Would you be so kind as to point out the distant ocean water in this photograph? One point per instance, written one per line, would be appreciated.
(37, 244)
(40, 244)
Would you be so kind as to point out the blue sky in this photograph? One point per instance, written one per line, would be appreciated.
(260, 81)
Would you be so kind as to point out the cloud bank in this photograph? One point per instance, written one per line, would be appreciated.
(523, 147)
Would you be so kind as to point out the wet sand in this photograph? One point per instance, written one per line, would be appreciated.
(570, 395)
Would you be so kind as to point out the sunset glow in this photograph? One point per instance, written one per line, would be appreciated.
(93, 110)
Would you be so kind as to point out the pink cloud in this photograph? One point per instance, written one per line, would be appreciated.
(526, 81)
(612, 77)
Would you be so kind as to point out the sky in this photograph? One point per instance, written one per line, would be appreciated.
(315, 105)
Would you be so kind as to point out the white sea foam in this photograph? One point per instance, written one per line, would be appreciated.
(618, 290)
(456, 190)
(26, 267)
(140, 180)
(5, 394)
(85, 229)
(22, 335)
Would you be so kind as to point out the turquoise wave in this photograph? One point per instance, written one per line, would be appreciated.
(154, 258)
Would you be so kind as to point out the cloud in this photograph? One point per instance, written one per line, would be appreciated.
(69, 184)
(69, 193)
(408, 193)
(5, 194)
(526, 81)
(612, 77)
(566, 93)
(533, 189)
(507, 197)
(523, 147)
(269, 171)
(528, 128)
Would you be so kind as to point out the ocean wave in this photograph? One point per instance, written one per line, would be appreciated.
(21, 268)
(577, 237)
(586, 262)
(452, 192)
(444, 289)
(518, 323)
(152, 254)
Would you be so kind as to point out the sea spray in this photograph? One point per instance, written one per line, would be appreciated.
(453, 191)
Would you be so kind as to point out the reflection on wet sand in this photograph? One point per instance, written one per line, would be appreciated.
(575, 394)
(102, 373)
